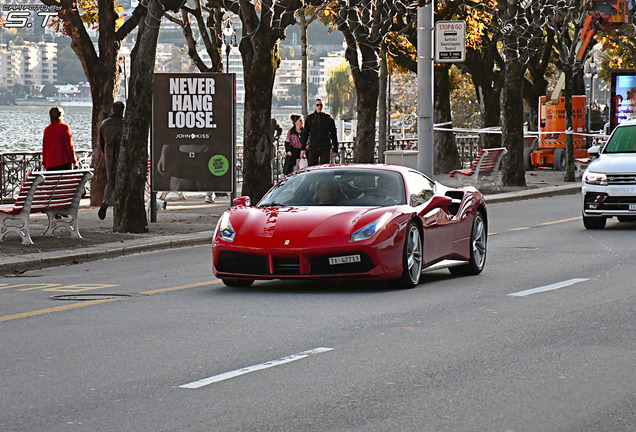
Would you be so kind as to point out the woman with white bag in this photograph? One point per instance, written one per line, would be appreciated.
(292, 144)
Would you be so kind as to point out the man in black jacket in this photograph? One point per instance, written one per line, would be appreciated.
(109, 141)
(319, 134)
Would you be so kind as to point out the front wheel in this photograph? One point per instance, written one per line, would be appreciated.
(411, 257)
(478, 246)
(592, 222)
(238, 283)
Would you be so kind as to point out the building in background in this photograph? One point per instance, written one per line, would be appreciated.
(28, 63)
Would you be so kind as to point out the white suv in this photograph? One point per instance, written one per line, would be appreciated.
(609, 183)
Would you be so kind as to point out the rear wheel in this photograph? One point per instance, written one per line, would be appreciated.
(411, 257)
(591, 222)
(558, 161)
(478, 246)
(238, 283)
(527, 159)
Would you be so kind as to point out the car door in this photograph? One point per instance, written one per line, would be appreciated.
(437, 222)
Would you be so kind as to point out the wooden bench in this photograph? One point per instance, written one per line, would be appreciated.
(56, 193)
(485, 169)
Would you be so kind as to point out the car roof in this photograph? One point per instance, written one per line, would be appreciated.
(631, 122)
(380, 167)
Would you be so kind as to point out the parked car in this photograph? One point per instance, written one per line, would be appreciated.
(609, 182)
(369, 222)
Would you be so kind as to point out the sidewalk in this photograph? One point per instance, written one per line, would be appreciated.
(186, 223)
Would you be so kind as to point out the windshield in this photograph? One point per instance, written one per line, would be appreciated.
(623, 140)
(338, 187)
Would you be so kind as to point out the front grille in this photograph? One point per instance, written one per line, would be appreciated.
(321, 265)
(286, 266)
(621, 179)
(241, 263)
(608, 202)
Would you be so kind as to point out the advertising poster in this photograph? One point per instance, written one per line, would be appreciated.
(193, 136)
(623, 98)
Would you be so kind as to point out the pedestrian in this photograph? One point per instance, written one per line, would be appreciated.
(109, 141)
(292, 144)
(319, 134)
(58, 152)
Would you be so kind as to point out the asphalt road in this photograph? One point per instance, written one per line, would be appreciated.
(543, 340)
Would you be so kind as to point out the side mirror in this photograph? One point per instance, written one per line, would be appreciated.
(242, 201)
(439, 201)
(594, 151)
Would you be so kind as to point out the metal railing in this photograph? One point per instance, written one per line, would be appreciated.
(15, 166)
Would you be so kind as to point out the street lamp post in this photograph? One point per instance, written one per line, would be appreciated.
(592, 73)
(230, 39)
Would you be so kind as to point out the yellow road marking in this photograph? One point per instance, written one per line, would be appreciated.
(37, 286)
(54, 309)
(561, 221)
(177, 288)
(538, 225)
(96, 302)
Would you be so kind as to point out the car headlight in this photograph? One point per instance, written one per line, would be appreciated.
(595, 178)
(224, 229)
(369, 230)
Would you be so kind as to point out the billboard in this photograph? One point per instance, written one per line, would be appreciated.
(193, 136)
(623, 96)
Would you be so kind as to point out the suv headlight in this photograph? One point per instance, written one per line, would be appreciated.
(595, 178)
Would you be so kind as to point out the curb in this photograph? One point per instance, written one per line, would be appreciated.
(42, 260)
(533, 193)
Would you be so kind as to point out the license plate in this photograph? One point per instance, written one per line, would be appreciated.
(632, 207)
(344, 259)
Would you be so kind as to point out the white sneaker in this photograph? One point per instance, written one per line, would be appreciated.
(209, 198)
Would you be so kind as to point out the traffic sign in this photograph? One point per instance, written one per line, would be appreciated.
(450, 41)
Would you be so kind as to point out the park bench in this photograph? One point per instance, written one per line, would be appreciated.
(56, 193)
(484, 169)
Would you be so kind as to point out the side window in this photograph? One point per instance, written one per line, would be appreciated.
(420, 187)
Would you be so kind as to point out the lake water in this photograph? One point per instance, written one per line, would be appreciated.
(21, 127)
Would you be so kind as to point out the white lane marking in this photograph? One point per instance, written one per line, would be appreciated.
(551, 287)
(246, 370)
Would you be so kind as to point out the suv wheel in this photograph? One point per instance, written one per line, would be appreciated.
(591, 222)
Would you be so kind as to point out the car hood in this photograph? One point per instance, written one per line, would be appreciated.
(624, 163)
(298, 223)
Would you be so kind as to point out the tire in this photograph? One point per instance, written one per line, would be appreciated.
(527, 159)
(411, 257)
(591, 222)
(238, 283)
(478, 248)
(558, 161)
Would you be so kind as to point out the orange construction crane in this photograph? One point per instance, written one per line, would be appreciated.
(550, 149)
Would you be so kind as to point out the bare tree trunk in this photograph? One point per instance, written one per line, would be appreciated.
(446, 156)
(304, 85)
(260, 60)
(512, 129)
(569, 126)
(367, 89)
(383, 112)
(132, 162)
(487, 84)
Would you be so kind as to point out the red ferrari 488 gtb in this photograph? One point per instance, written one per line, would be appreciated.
(352, 222)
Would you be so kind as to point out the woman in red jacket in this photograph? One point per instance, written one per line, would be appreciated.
(58, 152)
